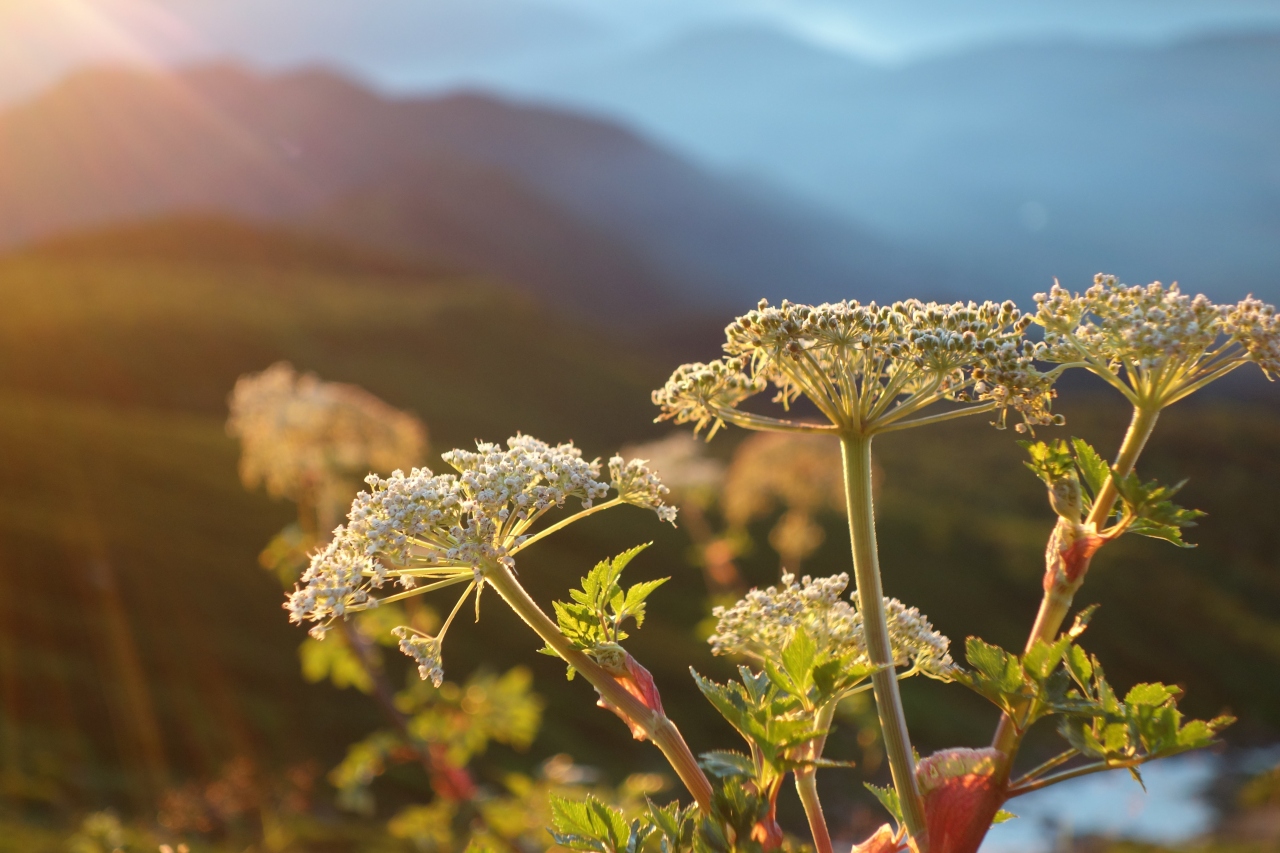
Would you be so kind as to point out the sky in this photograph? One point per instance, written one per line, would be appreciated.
(410, 44)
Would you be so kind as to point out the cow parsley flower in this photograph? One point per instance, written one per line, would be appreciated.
(639, 485)
(762, 624)
(424, 531)
(425, 652)
(866, 367)
(299, 434)
(1155, 343)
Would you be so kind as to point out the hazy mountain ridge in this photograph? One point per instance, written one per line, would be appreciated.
(574, 208)
(1016, 162)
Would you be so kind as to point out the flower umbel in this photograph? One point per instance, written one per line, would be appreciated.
(298, 433)
(867, 368)
(761, 626)
(424, 531)
(1155, 343)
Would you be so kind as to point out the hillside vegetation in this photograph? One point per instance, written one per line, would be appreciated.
(128, 548)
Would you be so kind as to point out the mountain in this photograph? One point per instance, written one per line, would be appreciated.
(1015, 162)
(399, 43)
(576, 209)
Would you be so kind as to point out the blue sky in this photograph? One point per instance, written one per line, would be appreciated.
(407, 44)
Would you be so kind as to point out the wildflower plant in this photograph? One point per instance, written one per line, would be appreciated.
(310, 441)
(868, 370)
(804, 644)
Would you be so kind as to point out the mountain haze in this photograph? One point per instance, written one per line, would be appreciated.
(1015, 162)
(577, 209)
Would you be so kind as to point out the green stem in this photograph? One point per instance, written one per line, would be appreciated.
(1075, 773)
(807, 784)
(565, 522)
(1058, 596)
(866, 568)
(656, 726)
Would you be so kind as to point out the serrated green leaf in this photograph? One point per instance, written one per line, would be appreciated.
(1002, 816)
(1043, 658)
(590, 825)
(1079, 666)
(888, 798)
(1091, 465)
(1081, 622)
(724, 764)
(798, 658)
(1150, 694)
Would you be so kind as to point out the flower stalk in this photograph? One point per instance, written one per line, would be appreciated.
(656, 726)
(807, 783)
(866, 567)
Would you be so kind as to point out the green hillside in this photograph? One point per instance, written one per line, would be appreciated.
(128, 548)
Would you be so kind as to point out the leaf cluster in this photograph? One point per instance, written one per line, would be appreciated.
(1061, 679)
(595, 617)
(1075, 474)
(593, 826)
(813, 676)
(772, 721)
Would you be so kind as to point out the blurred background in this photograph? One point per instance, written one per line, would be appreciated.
(521, 215)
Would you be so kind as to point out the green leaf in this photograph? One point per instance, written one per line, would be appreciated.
(1150, 694)
(1043, 658)
(724, 764)
(591, 825)
(1091, 465)
(1002, 816)
(888, 798)
(1151, 511)
(673, 825)
(1079, 666)
(798, 659)
(633, 604)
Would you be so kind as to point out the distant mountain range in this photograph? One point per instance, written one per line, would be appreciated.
(1016, 163)
(578, 210)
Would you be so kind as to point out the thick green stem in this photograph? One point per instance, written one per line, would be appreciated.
(1059, 594)
(807, 784)
(866, 568)
(656, 726)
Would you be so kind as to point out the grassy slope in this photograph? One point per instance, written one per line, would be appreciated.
(113, 373)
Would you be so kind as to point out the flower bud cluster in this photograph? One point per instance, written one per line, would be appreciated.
(425, 651)
(1010, 378)
(297, 433)
(1255, 325)
(1142, 329)
(637, 484)
(834, 352)
(696, 392)
(763, 623)
(1118, 324)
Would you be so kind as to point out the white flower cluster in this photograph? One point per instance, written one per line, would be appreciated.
(297, 433)
(425, 651)
(423, 525)
(637, 484)
(1255, 325)
(764, 622)
(697, 392)
(855, 360)
(337, 580)
(1141, 329)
